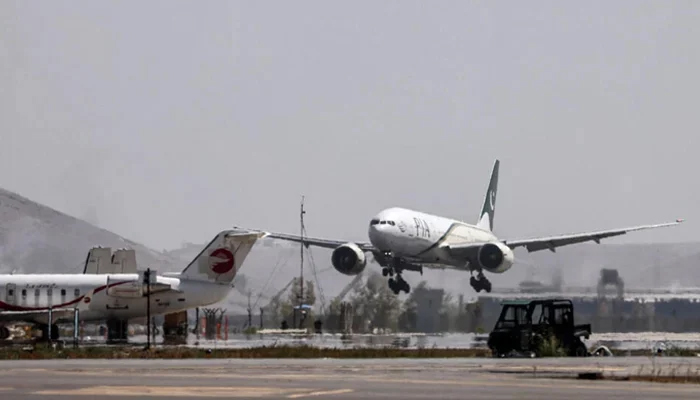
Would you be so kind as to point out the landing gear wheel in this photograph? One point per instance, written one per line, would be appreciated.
(399, 284)
(4, 333)
(385, 271)
(394, 286)
(405, 286)
(45, 332)
(481, 283)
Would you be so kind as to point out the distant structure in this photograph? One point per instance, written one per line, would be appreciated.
(428, 306)
(532, 286)
(610, 277)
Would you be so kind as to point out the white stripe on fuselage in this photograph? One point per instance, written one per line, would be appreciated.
(420, 236)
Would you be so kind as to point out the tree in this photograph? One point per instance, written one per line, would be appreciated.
(294, 300)
(375, 305)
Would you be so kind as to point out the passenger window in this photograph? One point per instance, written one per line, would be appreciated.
(49, 292)
(24, 293)
(63, 292)
(36, 293)
(11, 292)
(76, 292)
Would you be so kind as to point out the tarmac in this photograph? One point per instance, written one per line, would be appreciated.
(343, 378)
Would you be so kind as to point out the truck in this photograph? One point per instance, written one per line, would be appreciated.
(533, 327)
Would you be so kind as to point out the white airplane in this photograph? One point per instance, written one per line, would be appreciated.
(402, 239)
(206, 280)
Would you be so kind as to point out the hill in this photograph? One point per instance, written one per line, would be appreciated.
(36, 238)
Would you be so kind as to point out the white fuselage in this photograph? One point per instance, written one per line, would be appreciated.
(39, 292)
(419, 236)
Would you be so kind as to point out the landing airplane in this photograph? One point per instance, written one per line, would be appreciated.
(206, 280)
(407, 240)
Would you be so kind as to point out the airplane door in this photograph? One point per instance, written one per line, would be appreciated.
(11, 293)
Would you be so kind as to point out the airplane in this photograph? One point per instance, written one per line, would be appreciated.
(206, 280)
(401, 239)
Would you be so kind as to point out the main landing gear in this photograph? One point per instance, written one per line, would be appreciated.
(396, 285)
(480, 283)
(45, 332)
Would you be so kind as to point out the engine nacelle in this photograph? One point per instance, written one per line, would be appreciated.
(495, 257)
(349, 259)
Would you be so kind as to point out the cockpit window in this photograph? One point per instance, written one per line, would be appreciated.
(383, 222)
(374, 222)
(390, 223)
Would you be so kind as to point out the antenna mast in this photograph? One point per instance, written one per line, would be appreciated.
(301, 252)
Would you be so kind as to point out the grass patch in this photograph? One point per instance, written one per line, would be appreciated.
(550, 347)
(43, 352)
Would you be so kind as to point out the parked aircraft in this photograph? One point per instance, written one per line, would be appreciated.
(206, 280)
(406, 240)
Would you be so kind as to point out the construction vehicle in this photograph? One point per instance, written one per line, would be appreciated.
(538, 328)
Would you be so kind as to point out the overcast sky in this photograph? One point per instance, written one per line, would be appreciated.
(167, 121)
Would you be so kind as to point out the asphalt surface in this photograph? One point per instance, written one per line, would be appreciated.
(341, 379)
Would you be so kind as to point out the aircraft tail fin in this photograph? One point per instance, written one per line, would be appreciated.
(221, 259)
(489, 208)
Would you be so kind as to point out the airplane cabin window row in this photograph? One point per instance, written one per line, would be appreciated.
(40, 296)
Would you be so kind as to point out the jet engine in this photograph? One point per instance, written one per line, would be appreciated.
(495, 257)
(349, 259)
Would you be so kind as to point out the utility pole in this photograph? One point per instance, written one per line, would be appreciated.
(301, 253)
(250, 313)
(147, 279)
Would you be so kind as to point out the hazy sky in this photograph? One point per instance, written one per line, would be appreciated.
(166, 121)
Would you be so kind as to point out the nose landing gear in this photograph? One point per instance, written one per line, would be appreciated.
(480, 283)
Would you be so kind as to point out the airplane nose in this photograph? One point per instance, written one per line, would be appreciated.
(375, 236)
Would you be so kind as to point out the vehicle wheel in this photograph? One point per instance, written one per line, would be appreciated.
(580, 350)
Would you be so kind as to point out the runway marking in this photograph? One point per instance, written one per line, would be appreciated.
(320, 393)
(173, 391)
(551, 383)
(552, 368)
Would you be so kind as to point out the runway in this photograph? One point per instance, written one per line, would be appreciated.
(338, 379)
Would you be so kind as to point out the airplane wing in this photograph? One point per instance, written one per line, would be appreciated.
(468, 251)
(325, 243)
(551, 243)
